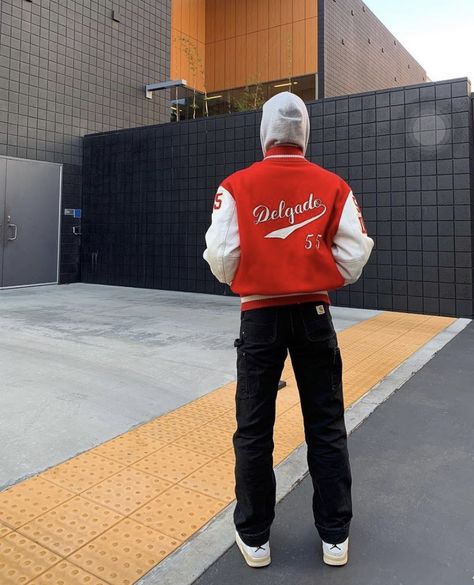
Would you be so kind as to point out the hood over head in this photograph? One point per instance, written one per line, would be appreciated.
(285, 120)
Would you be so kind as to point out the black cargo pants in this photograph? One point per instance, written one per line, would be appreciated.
(307, 331)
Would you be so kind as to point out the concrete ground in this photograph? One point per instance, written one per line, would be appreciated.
(413, 476)
(81, 364)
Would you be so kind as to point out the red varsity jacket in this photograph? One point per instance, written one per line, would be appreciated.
(285, 230)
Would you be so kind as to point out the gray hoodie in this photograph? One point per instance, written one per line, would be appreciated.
(285, 120)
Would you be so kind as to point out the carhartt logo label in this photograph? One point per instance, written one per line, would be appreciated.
(262, 213)
(320, 310)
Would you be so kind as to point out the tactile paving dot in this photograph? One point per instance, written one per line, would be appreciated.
(172, 463)
(286, 438)
(215, 479)
(129, 448)
(70, 525)
(222, 398)
(124, 553)
(189, 417)
(82, 472)
(209, 440)
(178, 512)
(228, 455)
(288, 428)
(285, 400)
(65, 573)
(127, 490)
(292, 417)
(21, 559)
(204, 404)
(281, 452)
(226, 421)
(29, 499)
(164, 428)
(202, 410)
(4, 530)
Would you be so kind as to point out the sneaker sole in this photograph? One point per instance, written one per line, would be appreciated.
(335, 561)
(253, 562)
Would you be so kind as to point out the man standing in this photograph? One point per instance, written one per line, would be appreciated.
(284, 232)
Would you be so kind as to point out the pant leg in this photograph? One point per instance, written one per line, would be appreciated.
(260, 358)
(317, 365)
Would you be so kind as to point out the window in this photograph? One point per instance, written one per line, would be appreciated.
(187, 105)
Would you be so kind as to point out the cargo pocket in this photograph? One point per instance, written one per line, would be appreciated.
(242, 390)
(259, 326)
(336, 371)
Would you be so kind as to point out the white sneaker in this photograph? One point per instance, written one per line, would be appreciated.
(335, 554)
(255, 556)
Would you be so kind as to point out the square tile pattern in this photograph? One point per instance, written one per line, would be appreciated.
(65, 573)
(56, 86)
(404, 151)
(178, 512)
(111, 514)
(127, 490)
(124, 553)
(67, 527)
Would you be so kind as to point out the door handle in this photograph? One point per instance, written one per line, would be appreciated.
(15, 232)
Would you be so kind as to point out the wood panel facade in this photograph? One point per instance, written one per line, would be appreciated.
(188, 41)
(244, 41)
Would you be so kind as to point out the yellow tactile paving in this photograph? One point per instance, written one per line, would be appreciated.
(21, 559)
(65, 573)
(124, 553)
(172, 463)
(29, 499)
(4, 530)
(129, 448)
(82, 472)
(289, 397)
(228, 455)
(215, 479)
(127, 490)
(178, 512)
(165, 431)
(107, 516)
(226, 421)
(69, 526)
(209, 440)
(288, 433)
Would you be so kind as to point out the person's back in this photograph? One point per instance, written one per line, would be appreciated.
(284, 232)
(284, 225)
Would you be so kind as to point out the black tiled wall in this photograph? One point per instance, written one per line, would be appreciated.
(68, 69)
(406, 152)
(360, 53)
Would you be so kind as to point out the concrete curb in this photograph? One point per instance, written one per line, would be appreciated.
(187, 563)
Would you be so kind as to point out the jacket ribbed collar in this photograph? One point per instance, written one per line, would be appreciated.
(283, 151)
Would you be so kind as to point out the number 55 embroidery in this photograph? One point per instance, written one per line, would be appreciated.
(217, 200)
(310, 244)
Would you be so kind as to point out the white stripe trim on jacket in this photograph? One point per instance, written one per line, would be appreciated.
(250, 298)
(222, 239)
(285, 156)
(351, 246)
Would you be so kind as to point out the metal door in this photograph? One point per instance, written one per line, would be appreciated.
(3, 178)
(31, 223)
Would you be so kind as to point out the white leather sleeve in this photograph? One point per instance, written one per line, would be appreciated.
(351, 247)
(222, 238)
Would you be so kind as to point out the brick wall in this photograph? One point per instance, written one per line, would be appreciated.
(406, 152)
(68, 69)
